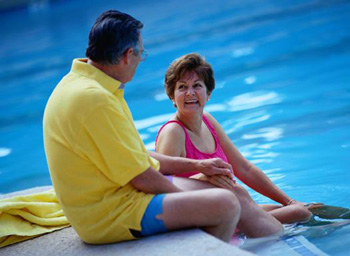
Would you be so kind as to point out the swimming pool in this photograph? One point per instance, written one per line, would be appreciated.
(282, 95)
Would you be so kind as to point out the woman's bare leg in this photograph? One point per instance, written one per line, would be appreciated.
(254, 221)
(270, 207)
(288, 214)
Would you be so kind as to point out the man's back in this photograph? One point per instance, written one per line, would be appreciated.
(93, 150)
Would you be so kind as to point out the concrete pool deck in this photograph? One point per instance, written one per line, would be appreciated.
(66, 242)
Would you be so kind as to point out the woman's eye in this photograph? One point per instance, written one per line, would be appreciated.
(197, 85)
(181, 86)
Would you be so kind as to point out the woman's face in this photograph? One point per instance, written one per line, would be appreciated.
(190, 94)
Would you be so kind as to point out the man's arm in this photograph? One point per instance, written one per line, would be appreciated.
(170, 165)
(153, 182)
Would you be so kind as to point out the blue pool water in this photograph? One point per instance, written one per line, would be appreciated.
(282, 95)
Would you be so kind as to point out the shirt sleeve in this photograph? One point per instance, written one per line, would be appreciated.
(110, 140)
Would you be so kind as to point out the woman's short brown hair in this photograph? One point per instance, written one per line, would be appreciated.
(188, 63)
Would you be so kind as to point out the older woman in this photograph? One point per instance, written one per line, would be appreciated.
(195, 134)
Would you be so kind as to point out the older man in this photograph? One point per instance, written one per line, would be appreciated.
(109, 186)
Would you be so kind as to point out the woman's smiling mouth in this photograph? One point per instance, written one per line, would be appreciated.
(191, 102)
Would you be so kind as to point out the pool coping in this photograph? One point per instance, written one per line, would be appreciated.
(66, 242)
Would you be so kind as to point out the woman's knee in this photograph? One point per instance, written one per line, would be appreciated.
(225, 203)
(243, 196)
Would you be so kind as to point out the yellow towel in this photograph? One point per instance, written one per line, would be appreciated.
(24, 217)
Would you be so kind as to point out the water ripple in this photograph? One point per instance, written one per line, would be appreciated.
(268, 134)
(5, 152)
(254, 100)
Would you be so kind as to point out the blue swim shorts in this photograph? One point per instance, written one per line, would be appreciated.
(150, 225)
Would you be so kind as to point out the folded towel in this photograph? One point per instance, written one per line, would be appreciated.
(28, 216)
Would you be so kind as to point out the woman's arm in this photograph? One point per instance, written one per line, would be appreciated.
(246, 171)
(171, 141)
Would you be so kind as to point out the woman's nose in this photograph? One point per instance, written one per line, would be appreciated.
(190, 91)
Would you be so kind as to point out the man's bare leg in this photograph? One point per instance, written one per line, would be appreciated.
(215, 210)
(254, 221)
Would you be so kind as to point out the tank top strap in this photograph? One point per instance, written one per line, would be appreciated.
(219, 151)
(187, 137)
(210, 127)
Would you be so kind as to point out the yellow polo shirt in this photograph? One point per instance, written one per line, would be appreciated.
(93, 151)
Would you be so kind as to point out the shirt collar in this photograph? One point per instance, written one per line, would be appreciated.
(81, 67)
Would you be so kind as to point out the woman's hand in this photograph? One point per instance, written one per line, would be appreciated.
(215, 166)
(220, 181)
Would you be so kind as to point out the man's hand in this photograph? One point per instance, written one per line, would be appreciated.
(214, 166)
(220, 181)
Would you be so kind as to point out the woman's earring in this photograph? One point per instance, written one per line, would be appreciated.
(174, 104)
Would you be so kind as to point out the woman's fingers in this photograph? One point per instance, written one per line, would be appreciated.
(222, 181)
(222, 168)
(223, 164)
(217, 183)
(215, 166)
(230, 182)
(223, 171)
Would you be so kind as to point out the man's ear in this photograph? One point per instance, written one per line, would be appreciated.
(127, 56)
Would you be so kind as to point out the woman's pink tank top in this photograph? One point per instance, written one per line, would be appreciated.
(191, 150)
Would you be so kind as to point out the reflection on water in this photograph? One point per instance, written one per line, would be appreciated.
(215, 108)
(259, 152)
(250, 80)
(5, 152)
(268, 134)
(242, 52)
(293, 242)
(254, 99)
(325, 227)
(144, 136)
(234, 125)
(148, 122)
(161, 96)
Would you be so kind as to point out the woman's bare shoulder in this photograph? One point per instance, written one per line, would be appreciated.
(172, 129)
(171, 140)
